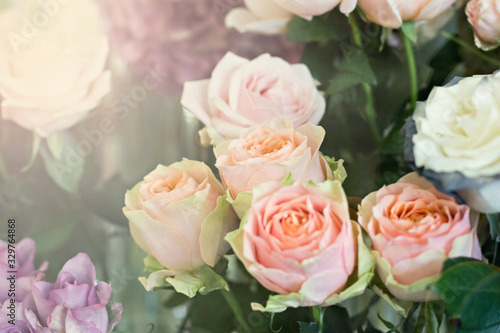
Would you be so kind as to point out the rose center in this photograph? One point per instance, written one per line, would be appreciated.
(167, 184)
(265, 146)
(292, 222)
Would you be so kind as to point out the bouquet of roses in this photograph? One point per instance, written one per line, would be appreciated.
(278, 237)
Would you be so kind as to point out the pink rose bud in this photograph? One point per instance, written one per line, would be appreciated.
(414, 230)
(243, 93)
(484, 16)
(272, 151)
(178, 214)
(75, 300)
(26, 273)
(391, 14)
(300, 242)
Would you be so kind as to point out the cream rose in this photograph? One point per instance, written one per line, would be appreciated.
(243, 93)
(51, 71)
(178, 214)
(453, 140)
(308, 9)
(272, 151)
(260, 16)
(272, 16)
(392, 13)
(300, 242)
(484, 16)
(414, 229)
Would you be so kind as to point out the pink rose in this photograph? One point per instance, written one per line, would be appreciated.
(300, 242)
(392, 13)
(414, 229)
(178, 214)
(75, 302)
(270, 152)
(484, 16)
(243, 93)
(26, 272)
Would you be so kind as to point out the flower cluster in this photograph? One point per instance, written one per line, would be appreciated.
(74, 303)
(297, 235)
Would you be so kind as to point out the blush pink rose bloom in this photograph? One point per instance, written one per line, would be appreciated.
(414, 230)
(484, 16)
(75, 303)
(272, 151)
(300, 242)
(243, 93)
(26, 272)
(178, 214)
(392, 13)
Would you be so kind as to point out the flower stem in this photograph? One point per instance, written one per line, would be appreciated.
(369, 109)
(233, 304)
(319, 314)
(412, 68)
(471, 49)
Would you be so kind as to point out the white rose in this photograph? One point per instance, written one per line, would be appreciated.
(458, 138)
(260, 16)
(52, 64)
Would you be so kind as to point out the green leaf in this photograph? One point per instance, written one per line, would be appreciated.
(175, 300)
(471, 292)
(409, 30)
(353, 70)
(55, 142)
(152, 265)
(288, 180)
(494, 220)
(34, 152)
(388, 324)
(337, 167)
(308, 327)
(66, 171)
(300, 30)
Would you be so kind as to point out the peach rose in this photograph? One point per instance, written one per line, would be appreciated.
(300, 242)
(484, 16)
(178, 214)
(52, 71)
(272, 151)
(392, 13)
(414, 229)
(244, 93)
